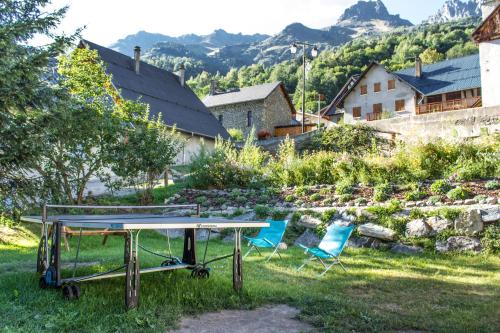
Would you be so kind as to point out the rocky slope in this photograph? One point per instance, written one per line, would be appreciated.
(455, 10)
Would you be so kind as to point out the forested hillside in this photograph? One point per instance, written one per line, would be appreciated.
(330, 70)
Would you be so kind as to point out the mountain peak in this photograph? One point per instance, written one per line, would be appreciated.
(456, 10)
(366, 10)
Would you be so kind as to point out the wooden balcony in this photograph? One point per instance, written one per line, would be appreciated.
(456, 104)
(373, 116)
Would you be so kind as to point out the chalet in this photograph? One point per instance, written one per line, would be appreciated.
(487, 35)
(377, 93)
(265, 107)
(167, 94)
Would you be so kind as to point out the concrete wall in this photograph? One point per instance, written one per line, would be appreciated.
(192, 146)
(450, 125)
(489, 53)
(385, 96)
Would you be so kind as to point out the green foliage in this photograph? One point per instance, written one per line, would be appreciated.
(344, 187)
(236, 134)
(415, 195)
(440, 186)
(361, 201)
(491, 239)
(353, 139)
(346, 197)
(458, 193)
(290, 198)
(315, 197)
(431, 56)
(262, 211)
(382, 192)
(301, 190)
(279, 215)
(201, 200)
(492, 185)
(434, 199)
(447, 213)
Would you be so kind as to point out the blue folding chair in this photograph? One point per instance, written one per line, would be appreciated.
(269, 237)
(330, 248)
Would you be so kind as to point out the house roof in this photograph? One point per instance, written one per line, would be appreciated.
(445, 76)
(247, 94)
(489, 29)
(179, 106)
(332, 109)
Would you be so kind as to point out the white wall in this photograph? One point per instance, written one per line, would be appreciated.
(192, 146)
(489, 54)
(385, 96)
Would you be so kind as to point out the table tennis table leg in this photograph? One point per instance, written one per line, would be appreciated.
(237, 262)
(52, 275)
(132, 275)
(189, 253)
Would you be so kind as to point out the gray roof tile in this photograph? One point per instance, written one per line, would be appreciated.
(445, 76)
(179, 106)
(246, 94)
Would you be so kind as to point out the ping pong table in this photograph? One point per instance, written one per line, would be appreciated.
(49, 249)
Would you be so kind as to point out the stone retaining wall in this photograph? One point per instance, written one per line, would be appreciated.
(468, 123)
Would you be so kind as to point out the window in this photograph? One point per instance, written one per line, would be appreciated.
(454, 95)
(220, 118)
(356, 112)
(249, 118)
(478, 91)
(391, 84)
(377, 108)
(364, 89)
(377, 87)
(400, 105)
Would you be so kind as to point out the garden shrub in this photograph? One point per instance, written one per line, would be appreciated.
(301, 190)
(415, 195)
(346, 197)
(289, 198)
(492, 185)
(440, 186)
(435, 199)
(279, 215)
(445, 212)
(458, 193)
(263, 199)
(382, 192)
(201, 200)
(220, 200)
(327, 202)
(491, 239)
(477, 161)
(241, 200)
(299, 202)
(416, 213)
(262, 211)
(236, 134)
(344, 187)
(324, 191)
(360, 201)
(315, 197)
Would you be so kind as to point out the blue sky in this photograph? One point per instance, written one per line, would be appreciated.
(108, 20)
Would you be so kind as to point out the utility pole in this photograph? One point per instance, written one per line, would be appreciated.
(314, 54)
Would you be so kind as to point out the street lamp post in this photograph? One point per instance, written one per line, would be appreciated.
(314, 54)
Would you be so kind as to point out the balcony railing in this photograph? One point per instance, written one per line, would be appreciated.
(374, 116)
(456, 104)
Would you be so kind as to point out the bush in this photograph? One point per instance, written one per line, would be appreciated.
(346, 198)
(440, 186)
(327, 202)
(263, 199)
(262, 211)
(236, 134)
(492, 185)
(301, 190)
(264, 135)
(241, 200)
(382, 192)
(353, 139)
(344, 187)
(201, 200)
(279, 215)
(289, 198)
(361, 201)
(435, 199)
(491, 239)
(324, 191)
(415, 195)
(458, 193)
(315, 197)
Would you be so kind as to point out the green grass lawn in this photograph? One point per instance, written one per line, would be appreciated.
(380, 292)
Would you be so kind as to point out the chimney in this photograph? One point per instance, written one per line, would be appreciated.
(213, 86)
(182, 74)
(418, 67)
(487, 7)
(137, 58)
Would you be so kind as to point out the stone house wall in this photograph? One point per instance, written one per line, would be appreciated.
(266, 114)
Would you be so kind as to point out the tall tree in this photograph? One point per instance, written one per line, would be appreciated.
(22, 85)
